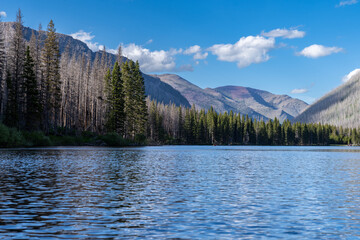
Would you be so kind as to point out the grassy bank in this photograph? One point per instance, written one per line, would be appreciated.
(11, 137)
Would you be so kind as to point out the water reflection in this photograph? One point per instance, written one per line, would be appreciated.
(180, 192)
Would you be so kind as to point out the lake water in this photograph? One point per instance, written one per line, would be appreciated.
(185, 192)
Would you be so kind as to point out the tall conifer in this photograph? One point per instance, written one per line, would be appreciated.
(140, 101)
(15, 81)
(2, 70)
(33, 107)
(52, 83)
(118, 113)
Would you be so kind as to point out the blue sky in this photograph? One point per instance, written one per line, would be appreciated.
(301, 48)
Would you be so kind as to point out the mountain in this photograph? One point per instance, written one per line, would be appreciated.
(154, 88)
(340, 107)
(256, 103)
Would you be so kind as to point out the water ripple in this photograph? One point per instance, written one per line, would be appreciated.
(180, 192)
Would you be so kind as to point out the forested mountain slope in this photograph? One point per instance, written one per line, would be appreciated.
(340, 107)
(253, 102)
(155, 88)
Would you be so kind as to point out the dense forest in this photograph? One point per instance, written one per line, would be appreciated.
(43, 93)
(176, 125)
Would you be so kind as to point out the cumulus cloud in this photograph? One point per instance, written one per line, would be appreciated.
(87, 38)
(197, 51)
(192, 50)
(350, 75)
(154, 61)
(248, 50)
(346, 3)
(200, 56)
(3, 14)
(316, 51)
(299, 90)
(284, 33)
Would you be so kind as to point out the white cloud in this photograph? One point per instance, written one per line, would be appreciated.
(3, 14)
(154, 61)
(192, 50)
(350, 75)
(197, 51)
(299, 90)
(149, 41)
(284, 33)
(200, 55)
(316, 51)
(86, 37)
(346, 3)
(248, 50)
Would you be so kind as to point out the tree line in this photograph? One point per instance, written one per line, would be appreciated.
(176, 125)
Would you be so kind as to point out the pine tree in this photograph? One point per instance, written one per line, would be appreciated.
(11, 113)
(262, 134)
(132, 95)
(140, 101)
(15, 83)
(117, 114)
(212, 125)
(2, 70)
(35, 53)
(51, 81)
(33, 107)
(304, 134)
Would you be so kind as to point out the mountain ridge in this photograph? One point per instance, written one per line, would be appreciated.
(256, 103)
(339, 107)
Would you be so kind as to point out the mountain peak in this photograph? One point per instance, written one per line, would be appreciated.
(253, 102)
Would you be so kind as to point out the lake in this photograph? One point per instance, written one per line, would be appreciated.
(184, 192)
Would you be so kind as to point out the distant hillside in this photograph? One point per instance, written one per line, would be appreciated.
(256, 103)
(155, 88)
(340, 107)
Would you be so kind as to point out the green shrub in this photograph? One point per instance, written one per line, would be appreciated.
(140, 138)
(37, 138)
(16, 139)
(4, 135)
(113, 139)
(88, 134)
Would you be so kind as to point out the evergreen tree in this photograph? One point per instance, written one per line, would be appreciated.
(2, 70)
(117, 114)
(262, 138)
(180, 126)
(15, 81)
(11, 113)
(212, 125)
(33, 107)
(304, 134)
(51, 83)
(129, 98)
(276, 132)
(140, 101)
